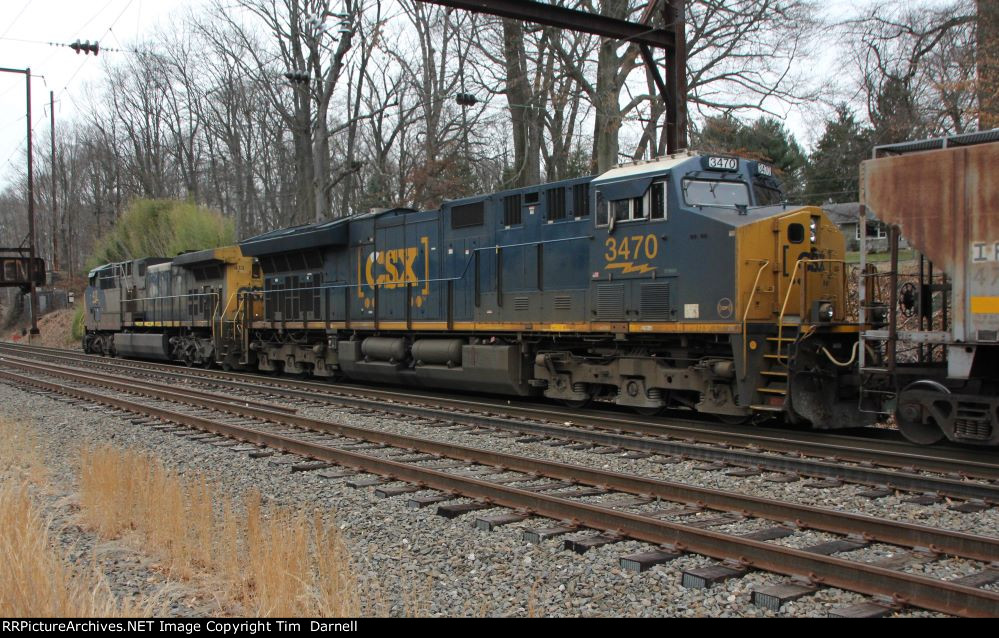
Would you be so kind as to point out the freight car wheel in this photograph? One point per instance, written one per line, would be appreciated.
(909, 414)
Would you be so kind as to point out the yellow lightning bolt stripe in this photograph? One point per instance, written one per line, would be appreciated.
(627, 267)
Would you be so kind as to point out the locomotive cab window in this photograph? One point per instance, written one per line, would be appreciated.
(795, 233)
(702, 192)
(651, 205)
(767, 193)
(655, 199)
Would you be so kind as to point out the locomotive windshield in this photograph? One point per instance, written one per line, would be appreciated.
(702, 192)
(767, 192)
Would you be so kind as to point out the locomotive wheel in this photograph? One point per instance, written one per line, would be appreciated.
(909, 415)
(734, 419)
(576, 404)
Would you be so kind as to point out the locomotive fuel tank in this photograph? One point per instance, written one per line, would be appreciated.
(438, 351)
(143, 346)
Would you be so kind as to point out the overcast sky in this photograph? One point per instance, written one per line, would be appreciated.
(26, 29)
(27, 26)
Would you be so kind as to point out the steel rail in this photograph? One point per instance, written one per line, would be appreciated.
(912, 589)
(882, 453)
(830, 469)
(899, 533)
(212, 396)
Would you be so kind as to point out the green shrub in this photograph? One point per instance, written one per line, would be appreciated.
(163, 228)
(78, 327)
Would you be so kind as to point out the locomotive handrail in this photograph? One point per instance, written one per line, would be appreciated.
(434, 280)
(190, 294)
(790, 287)
(745, 313)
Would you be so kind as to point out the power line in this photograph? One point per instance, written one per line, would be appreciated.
(61, 44)
(14, 21)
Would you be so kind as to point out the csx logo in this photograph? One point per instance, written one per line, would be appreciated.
(395, 268)
(391, 268)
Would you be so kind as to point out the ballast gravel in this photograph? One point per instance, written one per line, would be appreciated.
(412, 562)
(846, 497)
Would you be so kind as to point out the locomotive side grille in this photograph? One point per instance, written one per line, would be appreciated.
(520, 303)
(654, 302)
(610, 301)
(563, 302)
(988, 335)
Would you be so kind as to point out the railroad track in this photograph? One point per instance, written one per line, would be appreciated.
(675, 518)
(961, 474)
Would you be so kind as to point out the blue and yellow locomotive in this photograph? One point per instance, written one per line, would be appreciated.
(677, 282)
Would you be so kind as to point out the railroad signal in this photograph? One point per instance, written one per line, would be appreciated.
(87, 47)
(465, 99)
(297, 77)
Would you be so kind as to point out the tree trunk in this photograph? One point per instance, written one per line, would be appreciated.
(519, 95)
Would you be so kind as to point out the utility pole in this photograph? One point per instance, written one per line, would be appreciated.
(55, 202)
(31, 202)
(31, 210)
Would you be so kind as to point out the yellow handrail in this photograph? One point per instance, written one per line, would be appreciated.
(787, 295)
(745, 313)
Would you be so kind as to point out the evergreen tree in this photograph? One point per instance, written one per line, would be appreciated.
(832, 172)
(766, 140)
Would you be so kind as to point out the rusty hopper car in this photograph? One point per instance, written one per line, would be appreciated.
(940, 377)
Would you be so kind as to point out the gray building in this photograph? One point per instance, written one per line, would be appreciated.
(847, 217)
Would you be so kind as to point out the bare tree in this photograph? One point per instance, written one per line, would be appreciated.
(916, 68)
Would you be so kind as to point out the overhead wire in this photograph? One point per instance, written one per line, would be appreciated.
(65, 88)
(16, 18)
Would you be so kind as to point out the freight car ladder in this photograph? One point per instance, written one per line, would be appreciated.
(772, 394)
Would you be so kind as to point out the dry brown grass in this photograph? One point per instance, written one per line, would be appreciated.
(266, 561)
(34, 580)
(21, 456)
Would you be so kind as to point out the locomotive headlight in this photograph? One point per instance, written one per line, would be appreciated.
(813, 229)
(826, 311)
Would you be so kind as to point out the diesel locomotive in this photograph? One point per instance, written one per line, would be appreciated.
(678, 282)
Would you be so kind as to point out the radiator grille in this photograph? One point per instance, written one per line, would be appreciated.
(563, 302)
(610, 301)
(520, 303)
(654, 304)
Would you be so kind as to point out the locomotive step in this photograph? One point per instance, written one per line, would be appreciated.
(766, 408)
(781, 338)
(782, 391)
(774, 373)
